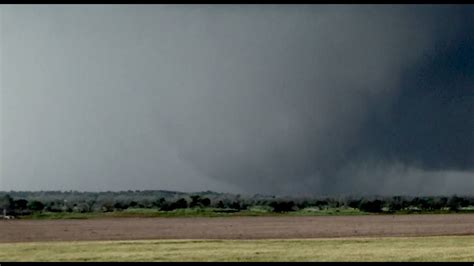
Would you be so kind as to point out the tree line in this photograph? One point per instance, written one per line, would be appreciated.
(25, 203)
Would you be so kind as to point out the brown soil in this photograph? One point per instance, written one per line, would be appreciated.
(236, 227)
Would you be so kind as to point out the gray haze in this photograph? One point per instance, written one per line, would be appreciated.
(249, 99)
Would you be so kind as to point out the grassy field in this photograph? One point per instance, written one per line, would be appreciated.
(210, 212)
(445, 248)
(189, 212)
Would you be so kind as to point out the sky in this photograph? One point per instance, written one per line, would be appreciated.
(280, 99)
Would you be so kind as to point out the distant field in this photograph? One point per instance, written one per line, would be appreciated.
(442, 248)
(190, 212)
(210, 212)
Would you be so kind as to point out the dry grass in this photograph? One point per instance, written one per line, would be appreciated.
(445, 248)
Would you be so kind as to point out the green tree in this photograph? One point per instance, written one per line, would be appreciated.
(195, 201)
(36, 205)
(371, 206)
(283, 206)
(354, 204)
(120, 206)
(20, 204)
(181, 203)
(454, 203)
(206, 202)
(235, 205)
(158, 203)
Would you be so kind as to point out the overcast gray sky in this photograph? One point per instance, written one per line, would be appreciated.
(248, 99)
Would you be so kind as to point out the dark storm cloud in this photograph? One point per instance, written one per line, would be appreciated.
(280, 99)
(296, 98)
(431, 123)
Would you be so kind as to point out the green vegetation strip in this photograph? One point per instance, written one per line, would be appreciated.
(84, 205)
(443, 248)
(189, 212)
(211, 212)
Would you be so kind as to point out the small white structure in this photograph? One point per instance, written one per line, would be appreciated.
(7, 217)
